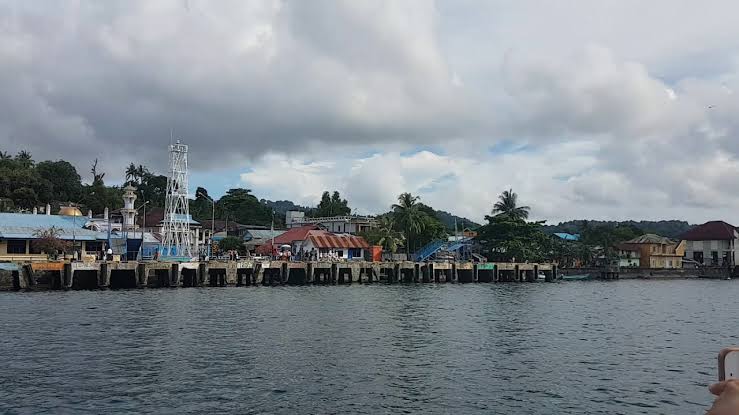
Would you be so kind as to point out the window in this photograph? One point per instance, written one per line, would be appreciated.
(714, 257)
(32, 249)
(16, 246)
(93, 246)
(698, 257)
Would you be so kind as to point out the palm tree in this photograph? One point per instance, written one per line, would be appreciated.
(507, 205)
(25, 159)
(390, 239)
(408, 216)
(131, 173)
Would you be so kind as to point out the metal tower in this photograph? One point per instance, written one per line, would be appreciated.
(176, 238)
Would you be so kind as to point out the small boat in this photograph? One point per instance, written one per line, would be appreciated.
(541, 277)
(576, 277)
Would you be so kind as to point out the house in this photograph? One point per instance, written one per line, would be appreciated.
(713, 243)
(628, 255)
(19, 230)
(256, 237)
(654, 251)
(343, 246)
(293, 237)
(340, 224)
(306, 238)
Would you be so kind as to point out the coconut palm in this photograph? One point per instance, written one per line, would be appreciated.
(24, 159)
(390, 239)
(408, 216)
(507, 205)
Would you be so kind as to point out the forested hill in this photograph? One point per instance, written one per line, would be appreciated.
(282, 206)
(668, 228)
(448, 220)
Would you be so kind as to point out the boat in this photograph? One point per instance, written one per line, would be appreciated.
(576, 277)
(541, 277)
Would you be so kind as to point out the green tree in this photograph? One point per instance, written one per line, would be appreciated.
(409, 217)
(230, 243)
(66, 184)
(384, 234)
(243, 207)
(506, 238)
(507, 204)
(25, 197)
(24, 159)
(332, 205)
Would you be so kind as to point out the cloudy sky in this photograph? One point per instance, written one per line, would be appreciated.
(587, 109)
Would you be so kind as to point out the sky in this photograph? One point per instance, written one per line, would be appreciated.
(609, 109)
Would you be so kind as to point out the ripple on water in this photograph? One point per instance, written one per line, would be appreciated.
(588, 347)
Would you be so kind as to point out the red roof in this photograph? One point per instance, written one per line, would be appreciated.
(710, 231)
(328, 240)
(287, 238)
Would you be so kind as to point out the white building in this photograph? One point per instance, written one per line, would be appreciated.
(713, 243)
(339, 224)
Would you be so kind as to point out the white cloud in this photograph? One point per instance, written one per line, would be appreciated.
(622, 109)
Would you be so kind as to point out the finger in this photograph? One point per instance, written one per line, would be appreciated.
(717, 388)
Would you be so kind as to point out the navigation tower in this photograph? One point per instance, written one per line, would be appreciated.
(176, 237)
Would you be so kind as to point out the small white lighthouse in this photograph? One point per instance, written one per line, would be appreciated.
(129, 212)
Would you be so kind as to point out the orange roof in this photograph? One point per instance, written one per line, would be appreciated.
(328, 240)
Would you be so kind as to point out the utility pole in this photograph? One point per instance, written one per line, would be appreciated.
(212, 223)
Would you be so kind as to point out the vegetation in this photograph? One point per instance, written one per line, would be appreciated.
(668, 228)
(507, 205)
(49, 242)
(331, 205)
(385, 235)
(230, 243)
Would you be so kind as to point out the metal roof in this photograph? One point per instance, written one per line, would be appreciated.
(327, 240)
(262, 234)
(25, 226)
(568, 236)
(651, 238)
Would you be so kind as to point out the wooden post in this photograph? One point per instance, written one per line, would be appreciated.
(475, 273)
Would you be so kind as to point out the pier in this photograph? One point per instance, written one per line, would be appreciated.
(162, 274)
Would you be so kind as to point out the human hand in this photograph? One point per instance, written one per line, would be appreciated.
(727, 401)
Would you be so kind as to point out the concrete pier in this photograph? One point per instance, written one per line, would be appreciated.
(162, 274)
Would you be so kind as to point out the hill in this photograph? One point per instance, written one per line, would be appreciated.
(668, 228)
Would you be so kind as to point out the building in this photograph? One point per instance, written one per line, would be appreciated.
(629, 256)
(340, 224)
(653, 251)
(302, 240)
(713, 243)
(342, 246)
(19, 230)
(568, 236)
(256, 237)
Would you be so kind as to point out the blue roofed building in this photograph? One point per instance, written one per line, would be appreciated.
(19, 230)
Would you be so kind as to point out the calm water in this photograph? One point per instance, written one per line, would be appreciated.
(581, 347)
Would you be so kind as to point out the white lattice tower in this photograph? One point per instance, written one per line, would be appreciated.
(176, 238)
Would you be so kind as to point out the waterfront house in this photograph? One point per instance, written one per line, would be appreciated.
(628, 255)
(306, 238)
(713, 243)
(18, 231)
(342, 246)
(655, 251)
